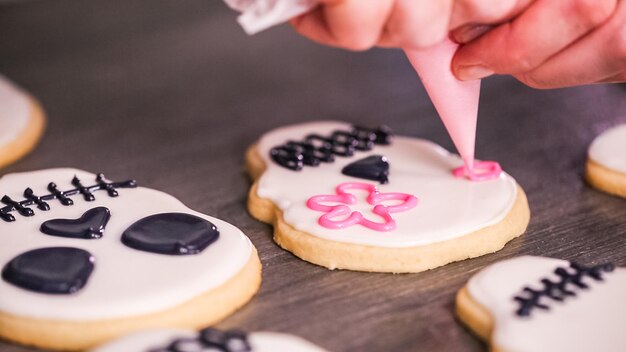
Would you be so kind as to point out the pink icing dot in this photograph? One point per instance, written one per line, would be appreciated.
(482, 171)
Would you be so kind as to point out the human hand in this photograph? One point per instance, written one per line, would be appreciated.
(409, 24)
(362, 24)
(553, 43)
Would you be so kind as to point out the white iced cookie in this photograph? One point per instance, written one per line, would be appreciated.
(542, 304)
(22, 122)
(352, 198)
(606, 162)
(208, 340)
(85, 259)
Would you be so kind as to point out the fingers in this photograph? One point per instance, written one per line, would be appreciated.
(485, 11)
(598, 57)
(417, 23)
(473, 18)
(361, 24)
(544, 29)
(350, 24)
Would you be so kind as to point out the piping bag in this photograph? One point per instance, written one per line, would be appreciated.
(456, 101)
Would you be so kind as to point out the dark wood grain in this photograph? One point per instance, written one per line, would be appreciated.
(172, 92)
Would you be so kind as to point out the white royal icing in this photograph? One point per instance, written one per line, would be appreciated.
(14, 111)
(609, 148)
(259, 342)
(593, 320)
(448, 207)
(125, 281)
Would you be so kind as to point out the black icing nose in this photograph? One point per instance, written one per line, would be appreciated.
(171, 233)
(373, 167)
(89, 226)
(55, 270)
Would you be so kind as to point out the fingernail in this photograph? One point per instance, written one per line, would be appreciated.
(468, 33)
(465, 73)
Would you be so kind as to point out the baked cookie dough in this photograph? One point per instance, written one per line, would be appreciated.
(85, 260)
(542, 304)
(22, 122)
(169, 340)
(606, 162)
(347, 197)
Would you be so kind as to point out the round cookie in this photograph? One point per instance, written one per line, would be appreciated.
(22, 121)
(543, 304)
(208, 340)
(375, 202)
(85, 260)
(606, 162)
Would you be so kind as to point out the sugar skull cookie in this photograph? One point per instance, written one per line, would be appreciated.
(529, 304)
(22, 122)
(85, 259)
(349, 197)
(208, 340)
(606, 162)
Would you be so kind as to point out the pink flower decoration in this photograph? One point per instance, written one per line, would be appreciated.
(482, 171)
(354, 217)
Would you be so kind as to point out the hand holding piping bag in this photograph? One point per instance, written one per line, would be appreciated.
(582, 42)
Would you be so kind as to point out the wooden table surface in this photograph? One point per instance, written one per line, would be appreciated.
(172, 92)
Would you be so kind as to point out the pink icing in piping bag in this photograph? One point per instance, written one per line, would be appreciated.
(456, 101)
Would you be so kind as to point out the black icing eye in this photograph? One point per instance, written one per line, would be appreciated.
(55, 270)
(171, 233)
(90, 225)
(374, 167)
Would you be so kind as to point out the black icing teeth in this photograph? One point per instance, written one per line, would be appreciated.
(559, 290)
(373, 167)
(210, 340)
(52, 270)
(171, 233)
(315, 149)
(89, 226)
(21, 207)
(228, 341)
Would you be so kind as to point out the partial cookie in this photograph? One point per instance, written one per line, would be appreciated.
(208, 340)
(347, 197)
(544, 304)
(22, 122)
(85, 260)
(606, 162)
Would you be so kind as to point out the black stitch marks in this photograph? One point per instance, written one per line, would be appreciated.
(21, 207)
(52, 270)
(89, 226)
(210, 340)
(558, 290)
(315, 149)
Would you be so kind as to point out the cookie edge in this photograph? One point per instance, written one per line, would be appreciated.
(475, 317)
(28, 139)
(605, 179)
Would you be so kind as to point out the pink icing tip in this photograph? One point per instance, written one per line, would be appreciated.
(350, 217)
(456, 101)
(482, 171)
